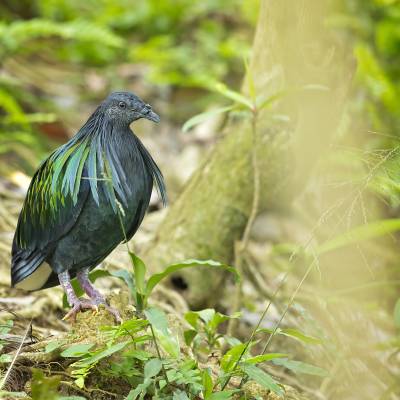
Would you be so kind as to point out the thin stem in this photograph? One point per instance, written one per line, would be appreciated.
(4, 381)
(158, 353)
(253, 333)
(241, 246)
(291, 300)
(289, 305)
(256, 182)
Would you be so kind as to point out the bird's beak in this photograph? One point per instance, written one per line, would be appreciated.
(152, 116)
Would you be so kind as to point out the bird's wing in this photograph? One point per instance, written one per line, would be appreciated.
(157, 179)
(53, 203)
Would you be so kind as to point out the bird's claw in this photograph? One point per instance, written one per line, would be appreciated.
(101, 301)
(114, 312)
(86, 304)
(78, 306)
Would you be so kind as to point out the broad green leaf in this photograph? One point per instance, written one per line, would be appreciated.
(199, 118)
(71, 398)
(44, 387)
(231, 357)
(225, 395)
(189, 335)
(397, 313)
(192, 317)
(140, 272)
(135, 328)
(262, 378)
(179, 395)
(56, 344)
(169, 343)
(206, 315)
(232, 95)
(296, 334)
(360, 233)
(157, 319)
(219, 318)
(77, 350)
(207, 383)
(80, 382)
(141, 355)
(152, 368)
(141, 388)
(126, 276)
(157, 278)
(97, 356)
(159, 322)
(264, 357)
(300, 367)
(232, 341)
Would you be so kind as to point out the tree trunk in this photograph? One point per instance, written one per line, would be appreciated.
(294, 52)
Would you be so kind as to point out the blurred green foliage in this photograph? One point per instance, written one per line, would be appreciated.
(172, 45)
(374, 28)
(176, 43)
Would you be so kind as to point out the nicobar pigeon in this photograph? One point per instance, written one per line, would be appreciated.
(79, 199)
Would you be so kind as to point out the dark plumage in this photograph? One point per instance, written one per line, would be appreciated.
(71, 218)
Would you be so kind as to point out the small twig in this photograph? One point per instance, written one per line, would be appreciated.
(253, 333)
(244, 380)
(86, 391)
(291, 300)
(158, 353)
(4, 381)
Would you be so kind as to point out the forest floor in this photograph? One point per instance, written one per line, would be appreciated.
(345, 336)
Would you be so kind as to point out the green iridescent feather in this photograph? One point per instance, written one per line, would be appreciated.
(57, 184)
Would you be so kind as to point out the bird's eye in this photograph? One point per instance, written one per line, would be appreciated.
(121, 104)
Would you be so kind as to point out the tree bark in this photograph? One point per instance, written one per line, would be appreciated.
(294, 52)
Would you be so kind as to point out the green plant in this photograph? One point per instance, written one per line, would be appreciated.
(204, 336)
(141, 288)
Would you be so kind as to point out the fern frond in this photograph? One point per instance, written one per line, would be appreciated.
(15, 34)
(12, 108)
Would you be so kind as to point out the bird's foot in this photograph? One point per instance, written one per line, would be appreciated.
(91, 304)
(79, 305)
(98, 301)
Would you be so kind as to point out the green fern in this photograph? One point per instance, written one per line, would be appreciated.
(15, 34)
(12, 108)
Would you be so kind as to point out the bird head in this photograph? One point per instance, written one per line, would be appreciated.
(126, 107)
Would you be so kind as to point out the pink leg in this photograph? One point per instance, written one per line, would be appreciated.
(76, 304)
(94, 294)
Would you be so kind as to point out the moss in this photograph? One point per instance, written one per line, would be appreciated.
(253, 390)
(87, 328)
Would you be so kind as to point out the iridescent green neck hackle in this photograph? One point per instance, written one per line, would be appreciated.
(90, 156)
